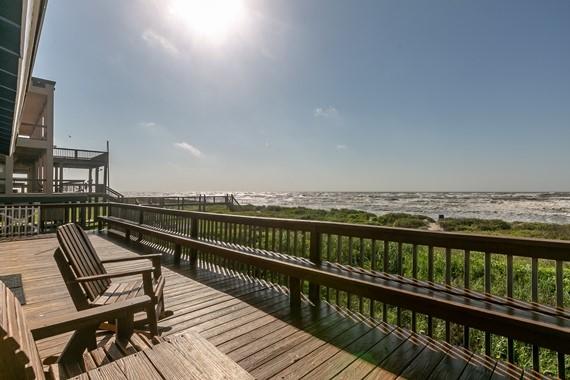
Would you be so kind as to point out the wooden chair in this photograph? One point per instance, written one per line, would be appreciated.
(19, 356)
(185, 356)
(90, 285)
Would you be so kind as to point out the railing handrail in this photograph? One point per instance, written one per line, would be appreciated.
(113, 192)
(78, 150)
(516, 246)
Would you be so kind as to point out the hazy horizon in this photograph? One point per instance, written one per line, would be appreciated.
(275, 96)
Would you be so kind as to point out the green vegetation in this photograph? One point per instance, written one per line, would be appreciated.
(335, 215)
(500, 227)
(469, 225)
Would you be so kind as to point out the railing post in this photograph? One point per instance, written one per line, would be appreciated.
(41, 218)
(295, 293)
(177, 254)
(315, 257)
(82, 216)
(141, 222)
(194, 235)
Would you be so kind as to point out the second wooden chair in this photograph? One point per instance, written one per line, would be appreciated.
(89, 284)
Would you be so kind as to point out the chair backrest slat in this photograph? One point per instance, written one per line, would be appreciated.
(83, 259)
(19, 356)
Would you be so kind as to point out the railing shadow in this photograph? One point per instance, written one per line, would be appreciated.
(318, 341)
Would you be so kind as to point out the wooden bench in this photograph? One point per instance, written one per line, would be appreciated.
(532, 323)
(186, 356)
(90, 285)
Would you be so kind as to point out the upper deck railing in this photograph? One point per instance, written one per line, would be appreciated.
(79, 154)
(25, 185)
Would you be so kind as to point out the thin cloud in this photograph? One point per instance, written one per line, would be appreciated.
(153, 39)
(341, 147)
(148, 124)
(189, 148)
(326, 112)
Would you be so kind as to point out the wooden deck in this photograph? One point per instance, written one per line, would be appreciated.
(254, 326)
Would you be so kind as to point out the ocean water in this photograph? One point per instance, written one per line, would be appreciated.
(546, 207)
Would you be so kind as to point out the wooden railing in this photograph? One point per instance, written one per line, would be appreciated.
(32, 219)
(19, 220)
(529, 270)
(506, 270)
(79, 154)
(200, 201)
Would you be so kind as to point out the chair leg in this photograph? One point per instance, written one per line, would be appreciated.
(152, 320)
(160, 308)
(125, 328)
(80, 341)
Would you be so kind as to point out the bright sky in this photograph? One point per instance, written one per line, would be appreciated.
(259, 95)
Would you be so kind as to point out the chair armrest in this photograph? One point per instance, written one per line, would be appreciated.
(132, 258)
(112, 275)
(89, 317)
(155, 258)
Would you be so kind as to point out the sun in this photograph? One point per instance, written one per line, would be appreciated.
(214, 20)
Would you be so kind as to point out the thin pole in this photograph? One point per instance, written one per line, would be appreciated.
(108, 168)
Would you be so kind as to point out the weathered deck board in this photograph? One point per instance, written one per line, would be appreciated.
(252, 323)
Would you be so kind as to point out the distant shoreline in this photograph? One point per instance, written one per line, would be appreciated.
(542, 207)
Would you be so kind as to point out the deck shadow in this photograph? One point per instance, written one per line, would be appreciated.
(317, 341)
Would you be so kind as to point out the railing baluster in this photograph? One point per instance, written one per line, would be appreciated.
(349, 296)
(273, 239)
(385, 267)
(295, 252)
(361, 264)
(510, 341)
(466, 285)
(534, 296)
(414, 276)
(430, 279)
(560, 304)
(488, 291)
(399, 269)
(373, 267)
(448, 283)
(315, 257)
(329, 242)
(338, 260)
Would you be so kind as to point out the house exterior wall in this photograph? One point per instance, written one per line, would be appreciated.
(33, 155)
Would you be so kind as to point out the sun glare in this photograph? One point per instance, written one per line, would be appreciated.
(210, 19)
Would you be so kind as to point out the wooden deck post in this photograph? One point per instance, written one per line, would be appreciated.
(82, 220)
(295, 293)
(315, 257)
(194, 235)
(41, 219)
(177, 254)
